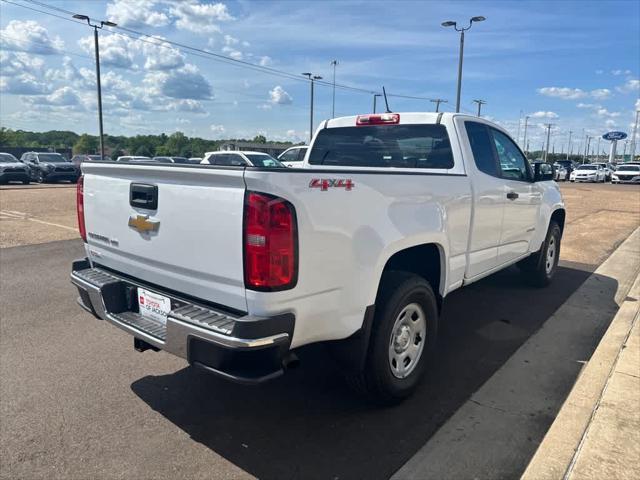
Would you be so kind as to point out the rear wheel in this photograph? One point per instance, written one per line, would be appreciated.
(540, 267)
(39, 177)
(402, 338)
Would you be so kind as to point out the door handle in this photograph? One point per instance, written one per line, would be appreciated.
(512, 195)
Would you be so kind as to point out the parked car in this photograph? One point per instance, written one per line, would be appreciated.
(588, 173)
(240, 158)
(50, 167)
(293, 157)
(133, 159)
(78, 159)
(170, 159)
(626, 174)
(390, 214)
(607, 168)
(569, 166)
(12, 170)
(195, 160)
(560, 172)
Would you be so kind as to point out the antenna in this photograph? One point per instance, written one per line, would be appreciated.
(384, 92)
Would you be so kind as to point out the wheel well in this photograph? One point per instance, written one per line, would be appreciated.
(559, 216)
(423, 260)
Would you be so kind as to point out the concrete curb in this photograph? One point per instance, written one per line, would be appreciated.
(563, 443)
(498, 430)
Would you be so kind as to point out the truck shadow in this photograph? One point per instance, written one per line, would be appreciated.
(308, 424)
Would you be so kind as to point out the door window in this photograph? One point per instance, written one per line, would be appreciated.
(228, 159)
(513, 165)
(290, 155)
(481, 148)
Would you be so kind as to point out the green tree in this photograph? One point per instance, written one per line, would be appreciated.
(176, 143)
(259, 139)
(143, 151)
(85, 144)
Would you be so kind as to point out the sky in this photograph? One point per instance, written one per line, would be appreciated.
(573, 64)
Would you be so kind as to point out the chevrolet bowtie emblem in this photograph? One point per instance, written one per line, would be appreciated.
(142, 223)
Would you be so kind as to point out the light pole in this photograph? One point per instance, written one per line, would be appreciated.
(586, 150)
(632, 147)
(95, 41)
(375, 97)
(438, 101)
(461, 30)
(569, 144)
(312, 78)
(546, 150)
(480, 103)
(524, 140)
(519, 125)
(333, 102)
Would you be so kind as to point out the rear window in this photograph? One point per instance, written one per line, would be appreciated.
(398, 146)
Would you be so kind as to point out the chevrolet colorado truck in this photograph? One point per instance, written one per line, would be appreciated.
(233, 268)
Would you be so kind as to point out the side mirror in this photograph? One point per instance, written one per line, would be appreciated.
(542, 174)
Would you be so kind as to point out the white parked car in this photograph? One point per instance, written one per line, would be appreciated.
(608, 169)
(391, 213)
(133, 159)
(588, 173)
(560, 172)
(294, 156)
(626, 174)
(237, 158)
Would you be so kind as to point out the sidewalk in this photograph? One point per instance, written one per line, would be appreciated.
(596, 434)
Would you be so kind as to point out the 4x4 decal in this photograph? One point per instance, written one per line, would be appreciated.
(325, 184)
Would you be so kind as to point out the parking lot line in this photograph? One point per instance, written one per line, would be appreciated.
(23, 216)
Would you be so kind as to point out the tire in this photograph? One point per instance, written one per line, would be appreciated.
(540, 268)
(39, 177)
(403, 338)
(26, 182)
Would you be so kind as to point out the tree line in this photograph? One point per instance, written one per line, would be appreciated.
(176, 144)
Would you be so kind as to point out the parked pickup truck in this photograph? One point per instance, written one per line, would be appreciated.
(234, 268)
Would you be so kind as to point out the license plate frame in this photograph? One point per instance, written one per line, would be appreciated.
(153, 305)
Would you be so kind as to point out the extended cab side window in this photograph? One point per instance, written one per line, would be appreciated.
(481, 148)
(227, 159)
(513, 165)
(397, 146)
(290, 156)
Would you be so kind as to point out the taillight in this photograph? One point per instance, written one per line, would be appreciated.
(270, 243)
(80, 207)
(378, 119)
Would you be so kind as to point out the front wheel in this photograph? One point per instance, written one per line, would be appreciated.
(540, 268)
(39, 177)
(402, 340)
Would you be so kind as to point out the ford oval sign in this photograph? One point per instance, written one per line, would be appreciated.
(614, 136)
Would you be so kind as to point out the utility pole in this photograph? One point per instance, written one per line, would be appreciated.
(461, 30)
(586, 150)
(438, 101)
(312, 78)
(97, 27)
(333, 102)
(375, 97)
(569, 144)
(519, 124)
(524, 139)
(546, 150)
(480, 103)
(598, 150)
(632, 150)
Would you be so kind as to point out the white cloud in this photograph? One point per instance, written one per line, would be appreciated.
(599, 72)
(603, 112)
(631, 85)
(17, 63)
(23, 84)
(562, 92)
(232, 52)
(115, 50)
(278, 96)
(29, 36)
(637, 105)
(229, 40)
(542, 114)
(70, 75)
(132, 13)
(601, 93)
(620, 72)
(183, 83)
(217, 130)
(188, 105)
(200, 18)
(611, 123)
(62, 97)
(265, 61)
(586, 105)
(161, 55)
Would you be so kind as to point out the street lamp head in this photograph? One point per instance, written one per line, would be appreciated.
(478, 19)
(317, 77)
(77, 16)
(307, 74)
(448, 24)
(109, 24)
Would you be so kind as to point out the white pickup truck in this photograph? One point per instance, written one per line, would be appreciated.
(233, 268)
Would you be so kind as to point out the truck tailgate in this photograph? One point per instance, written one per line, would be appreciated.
(194, 241)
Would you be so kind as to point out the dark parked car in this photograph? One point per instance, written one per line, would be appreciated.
(50, 167)
(11, 170)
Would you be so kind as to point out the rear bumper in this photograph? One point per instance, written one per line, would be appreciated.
(14, 176)
(71, 176)
(245, 349)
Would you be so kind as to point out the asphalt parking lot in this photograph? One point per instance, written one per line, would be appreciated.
(78, 402)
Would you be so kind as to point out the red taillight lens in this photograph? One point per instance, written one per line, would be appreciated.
(381, 119)
(80, 207)
(270, 243)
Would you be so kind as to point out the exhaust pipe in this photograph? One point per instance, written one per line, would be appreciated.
(290, 361)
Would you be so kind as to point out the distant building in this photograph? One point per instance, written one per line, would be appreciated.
(273, 149)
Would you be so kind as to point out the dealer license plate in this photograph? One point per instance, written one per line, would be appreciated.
(154, 306)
